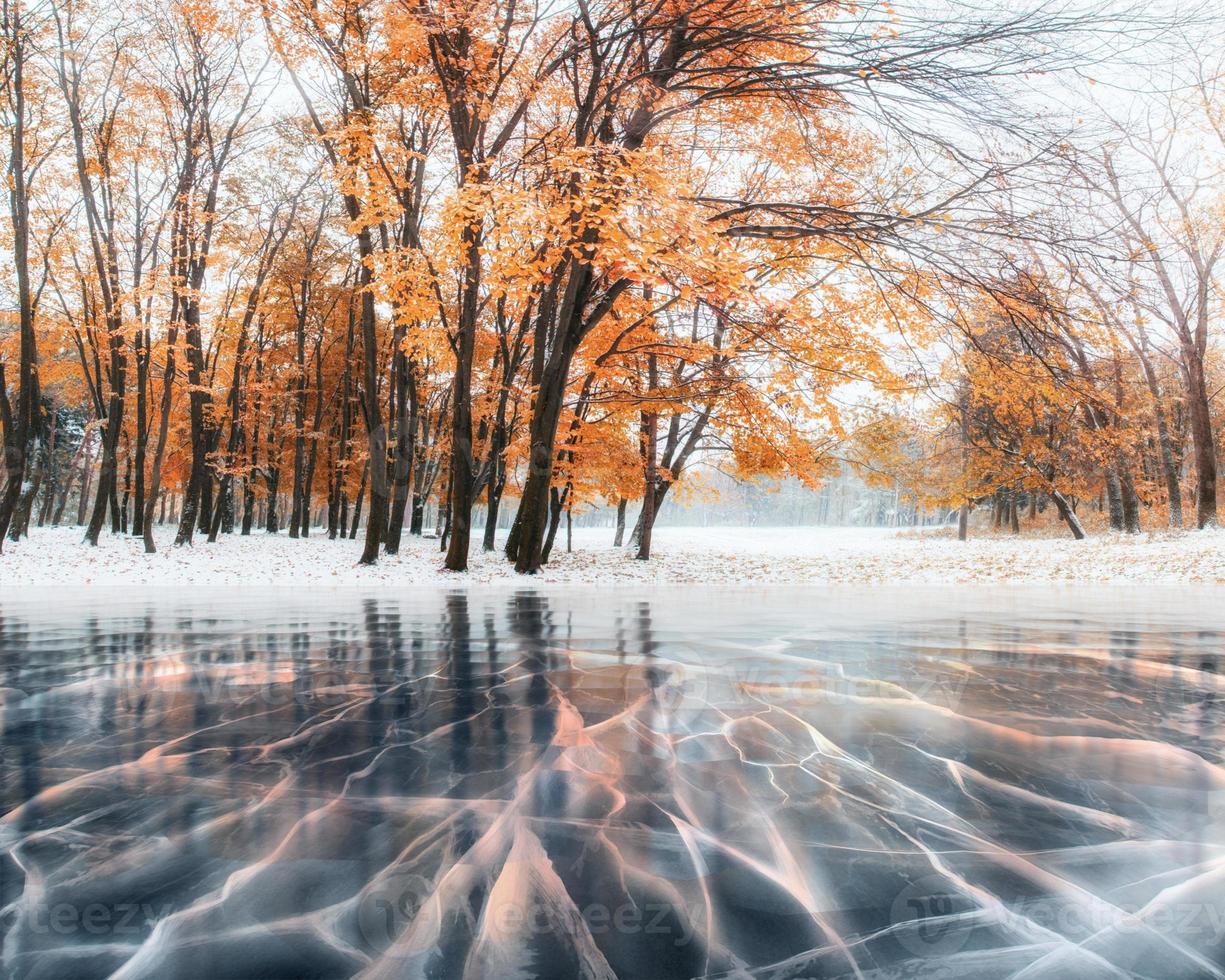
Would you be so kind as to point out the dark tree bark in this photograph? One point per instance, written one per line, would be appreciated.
(357, 506)
(20, 424)
(649, 441)
(163, 427)
(50, 469)
(1068, 514)
(312, 455)
(619, 537)
(339, 526)
(404, 394)
(1129, 500)
(1169, 465)
(1114, 499)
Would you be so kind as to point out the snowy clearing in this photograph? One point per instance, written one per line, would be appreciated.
(55, 557)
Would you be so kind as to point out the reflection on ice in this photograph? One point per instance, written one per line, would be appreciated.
(687, 784)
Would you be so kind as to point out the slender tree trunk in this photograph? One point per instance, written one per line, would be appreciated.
(342, 449)
(444, 521)
(142, 428)
(357, 505)
(1114, 499)
(376, 433)
(159, 452)
(525, 545)
(1168, 465)
(78, 466)
(207, 496)
(1068, 515)
(272, 480)
(19, 527)
(1204, 445)
(650, 440)
(197, 400)
(87, 479)
(557, 503)
(1128, 500)
(248, 504)
(51, 471)
(405, 384)
(299, 423)
(312, 455)
(113, 426)
(20, 425)
(620, 535)
(127, 492)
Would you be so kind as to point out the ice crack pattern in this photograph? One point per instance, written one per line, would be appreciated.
(793, 783)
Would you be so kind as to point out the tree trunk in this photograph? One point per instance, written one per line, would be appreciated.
(342, 449)
(417, 523)
(1068, 515)
(127, 492)
(619, 537)
(159, 452)
(1128, 500)
(299, 418)
(1205, 447)
(444, 521)
(207, 499)
(312, 455)
(525, 546)
(404, 384)
(51, 472)
(142, 428)
(650, 445)
(1169, 467)
(110, 447)
(557, 502)
(1114, 499)
(197, 400)
(87, 479)
(79, 464)
(19, 527)
(20, 426)
(492, 502)
(272, 480)
(248, 504)
(358, 501)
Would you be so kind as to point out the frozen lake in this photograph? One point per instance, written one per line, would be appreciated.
(649, 783)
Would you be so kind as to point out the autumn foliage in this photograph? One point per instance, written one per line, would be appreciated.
(288, 265)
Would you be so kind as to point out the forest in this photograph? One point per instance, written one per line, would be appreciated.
(378, 268)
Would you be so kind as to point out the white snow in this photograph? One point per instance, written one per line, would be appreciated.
(56, 558)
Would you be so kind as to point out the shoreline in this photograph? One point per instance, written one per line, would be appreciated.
(714, 556)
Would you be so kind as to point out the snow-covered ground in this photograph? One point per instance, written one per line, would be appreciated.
(56, 558)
